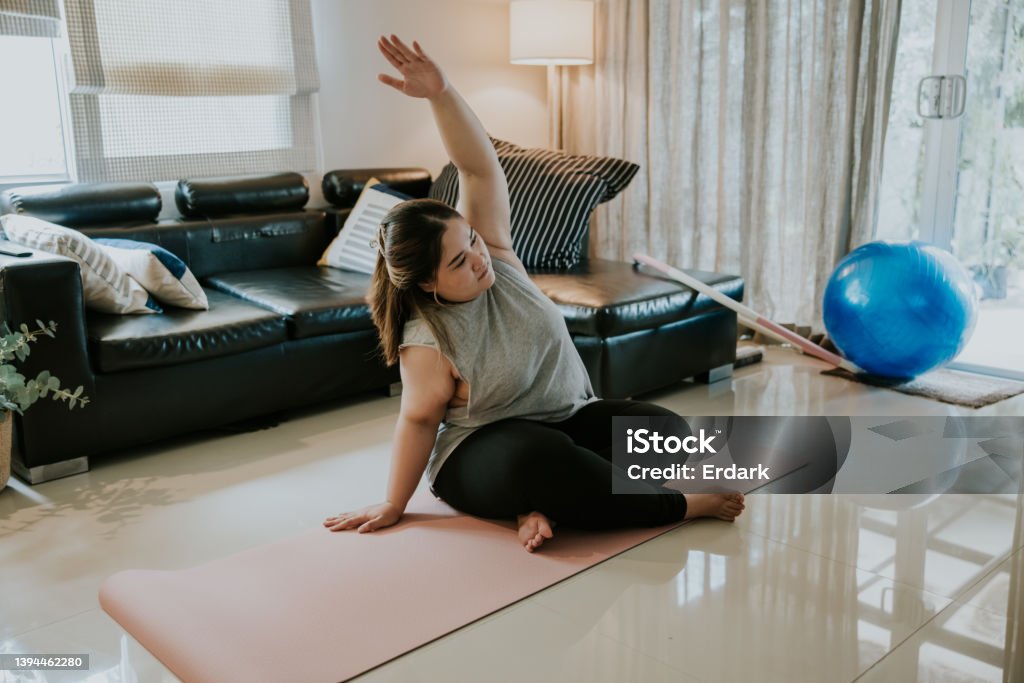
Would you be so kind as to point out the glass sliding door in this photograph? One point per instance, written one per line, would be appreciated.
(988, 219)
(954, 158)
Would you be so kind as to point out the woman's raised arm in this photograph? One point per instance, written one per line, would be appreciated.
(484, 198)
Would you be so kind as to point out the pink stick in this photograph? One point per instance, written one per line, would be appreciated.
(745, 313)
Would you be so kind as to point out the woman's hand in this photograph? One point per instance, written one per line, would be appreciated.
(368, 519)
(422, 77)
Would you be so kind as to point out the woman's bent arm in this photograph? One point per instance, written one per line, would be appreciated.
(414, 439)
(428, 385)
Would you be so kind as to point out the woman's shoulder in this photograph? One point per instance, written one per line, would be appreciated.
(509, 272)
(509, 265)
(417, 332)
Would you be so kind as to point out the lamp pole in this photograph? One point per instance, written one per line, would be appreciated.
(555, 106)
(552, 33)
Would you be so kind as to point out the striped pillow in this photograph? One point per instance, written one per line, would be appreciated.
(552, 195)
(105, 287)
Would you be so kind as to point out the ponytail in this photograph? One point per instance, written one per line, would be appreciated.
(388, 311)
(408, 253)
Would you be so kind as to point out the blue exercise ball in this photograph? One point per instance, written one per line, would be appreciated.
(900, 309)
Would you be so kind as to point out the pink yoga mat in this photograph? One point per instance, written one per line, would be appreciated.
(310, 608)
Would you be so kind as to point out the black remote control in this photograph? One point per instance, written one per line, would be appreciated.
(15, 253)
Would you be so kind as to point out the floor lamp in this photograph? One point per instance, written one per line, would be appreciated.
(552, 33)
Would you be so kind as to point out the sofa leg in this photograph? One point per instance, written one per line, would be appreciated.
(715, 374)
(56, 470)
(394, 389)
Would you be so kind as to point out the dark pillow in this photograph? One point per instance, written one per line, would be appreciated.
(552, 195)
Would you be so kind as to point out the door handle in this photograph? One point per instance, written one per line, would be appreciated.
(941, 97)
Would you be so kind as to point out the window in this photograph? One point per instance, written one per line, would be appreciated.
(191, 88)
(33, 139)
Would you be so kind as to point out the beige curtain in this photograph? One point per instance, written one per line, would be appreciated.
(758, 127)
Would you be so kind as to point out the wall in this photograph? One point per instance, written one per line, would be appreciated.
(366, 123)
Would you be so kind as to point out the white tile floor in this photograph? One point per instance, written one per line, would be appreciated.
(801, 588)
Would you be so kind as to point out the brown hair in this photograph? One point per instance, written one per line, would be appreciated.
(409, 252)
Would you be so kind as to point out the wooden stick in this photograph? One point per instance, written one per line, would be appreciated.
(749, 316)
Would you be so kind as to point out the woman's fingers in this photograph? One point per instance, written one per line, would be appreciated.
(342, 522)
(391, 54)
(407, 53)
(393, 82)
(419, 50)
(370, 525)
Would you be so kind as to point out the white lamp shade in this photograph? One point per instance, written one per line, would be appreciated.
(551, 32)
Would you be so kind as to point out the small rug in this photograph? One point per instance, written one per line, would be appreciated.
(327, 606)
(948, 386)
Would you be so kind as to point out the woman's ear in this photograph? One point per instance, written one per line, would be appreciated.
(428, 287)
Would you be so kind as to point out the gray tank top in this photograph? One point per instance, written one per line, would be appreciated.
(511, 345)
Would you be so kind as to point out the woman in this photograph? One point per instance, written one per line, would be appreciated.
(497, 406)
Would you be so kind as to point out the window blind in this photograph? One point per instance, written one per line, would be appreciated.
(30, 18)
(191, 88)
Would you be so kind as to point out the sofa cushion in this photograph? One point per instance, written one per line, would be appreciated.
(180, 335)
(208, 197)
(315, 300)
(77, 205)
(342, 187)
(225, 245)
(602, 298)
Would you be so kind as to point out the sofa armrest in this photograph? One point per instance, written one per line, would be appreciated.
(48, 287)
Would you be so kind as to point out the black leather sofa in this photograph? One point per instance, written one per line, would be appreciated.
(282, 332)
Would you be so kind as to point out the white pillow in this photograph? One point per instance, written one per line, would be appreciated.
(162, 273)
(106, 287)
(351, 249)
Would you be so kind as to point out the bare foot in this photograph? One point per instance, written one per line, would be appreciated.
(727, 506)
(534, 528)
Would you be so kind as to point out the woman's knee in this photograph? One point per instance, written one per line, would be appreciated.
(517, 449)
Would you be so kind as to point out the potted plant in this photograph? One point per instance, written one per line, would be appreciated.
(17, 393)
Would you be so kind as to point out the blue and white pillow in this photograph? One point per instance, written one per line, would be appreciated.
(105, 286)
(351, 249)
(162, 273)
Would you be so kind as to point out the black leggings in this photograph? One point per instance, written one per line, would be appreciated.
(561, 469)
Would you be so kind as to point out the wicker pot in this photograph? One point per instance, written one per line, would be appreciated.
(6, 426)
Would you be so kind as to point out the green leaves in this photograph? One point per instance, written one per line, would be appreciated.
(16, 393)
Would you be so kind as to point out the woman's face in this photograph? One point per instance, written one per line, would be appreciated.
(465, 270)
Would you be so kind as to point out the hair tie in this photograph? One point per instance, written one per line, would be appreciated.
(379, 242)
